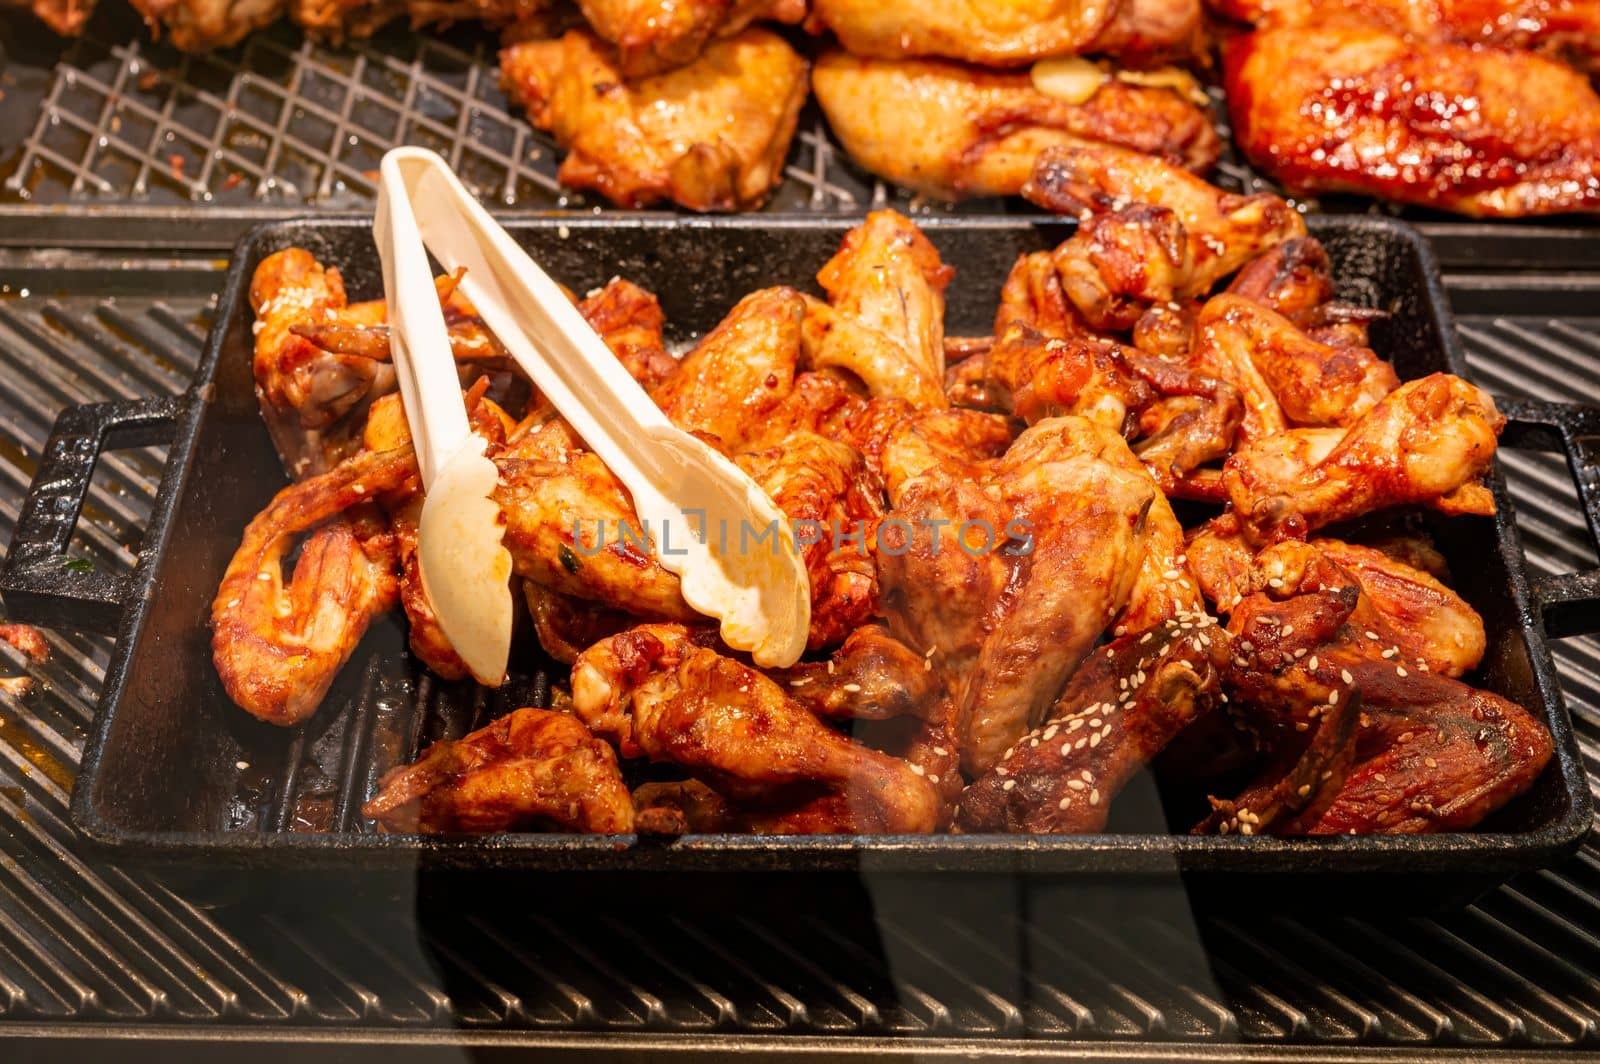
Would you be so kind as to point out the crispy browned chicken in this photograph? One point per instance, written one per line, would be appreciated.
(336, 20)
(1121, 708)
(953, 131)
(655, 35)
(1569, 29)
(710, 136)
(1357, 740)
(1009, 32)
(884, 319)
(1478, 130)
(1426, 443)
(655, 691)
(1149, 233)
(529, 769)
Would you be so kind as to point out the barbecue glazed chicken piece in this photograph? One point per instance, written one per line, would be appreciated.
(529, 769)
(1286, 377)
(1481, 131)
(1121, 708)
(710, 136)
(1392, 749)
(952, 131)
(655, 35)
(1177, 421)
(65, 17)
(1041, 550)
(1009, 32)
(1566, 29)
(203, 25)
(1149, 232)
(1426, 443)
(654, 691)
(884, 319)
(1416, 618)
(1295, 279)
(278, 646)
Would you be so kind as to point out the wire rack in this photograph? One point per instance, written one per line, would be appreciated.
(282, 121)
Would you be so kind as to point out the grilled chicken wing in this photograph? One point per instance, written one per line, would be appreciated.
(1286, 377)
(738, 375)
(1149, 232)
(1295, 279)
(1569, 29)
(655, 691)
(1008, 620)
(884, 319)
(336, 20)
(1176, 420)
(1006, 32)
(1428, 443)
(872, 676)
(710, 136)
(202, 25)
(1120, 709)
(952, 131)
(528, 770)
(655, 35)
(1478, 130)
(278, 647)
(1398, 749)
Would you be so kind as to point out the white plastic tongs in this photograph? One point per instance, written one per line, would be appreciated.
(754, 583)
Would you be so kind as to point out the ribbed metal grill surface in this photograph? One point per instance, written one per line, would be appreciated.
(83, 940)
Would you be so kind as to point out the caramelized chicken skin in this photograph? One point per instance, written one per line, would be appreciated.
(65, 17)
(1428, 443)
(1122, 706)
(953, 131)
(656, 35)
(531, 768)
(1478, 130)
(710, 136)
(1008, 32)
(657, 692)
(201, 25)
(1569, 29)
(1149, 232)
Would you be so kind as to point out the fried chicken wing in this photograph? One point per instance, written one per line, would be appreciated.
(1427, 443)
(710, 136)
(1176, 420)
(1479, 130)
(531, 769)
(953, 131)
(1287, 378)
(1120, 709)
(872, 676)
(884, 319)
(1005, 32)
(1008, 621)
(335, 21)
(657, 692)
(277, 647)
(1569, 29)
(1149, 232)
(655, 35)
(739, 374)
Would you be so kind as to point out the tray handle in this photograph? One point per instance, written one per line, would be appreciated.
(36, 582)
(1568, 602)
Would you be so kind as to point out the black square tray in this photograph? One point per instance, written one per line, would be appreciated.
(174, 771)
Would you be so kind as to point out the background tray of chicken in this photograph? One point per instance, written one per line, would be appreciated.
(1437, 110)
(1073, 707)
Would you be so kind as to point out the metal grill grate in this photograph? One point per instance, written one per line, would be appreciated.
(281, 122)
(883, 964)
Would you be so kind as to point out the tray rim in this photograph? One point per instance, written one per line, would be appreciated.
(1492, 855)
